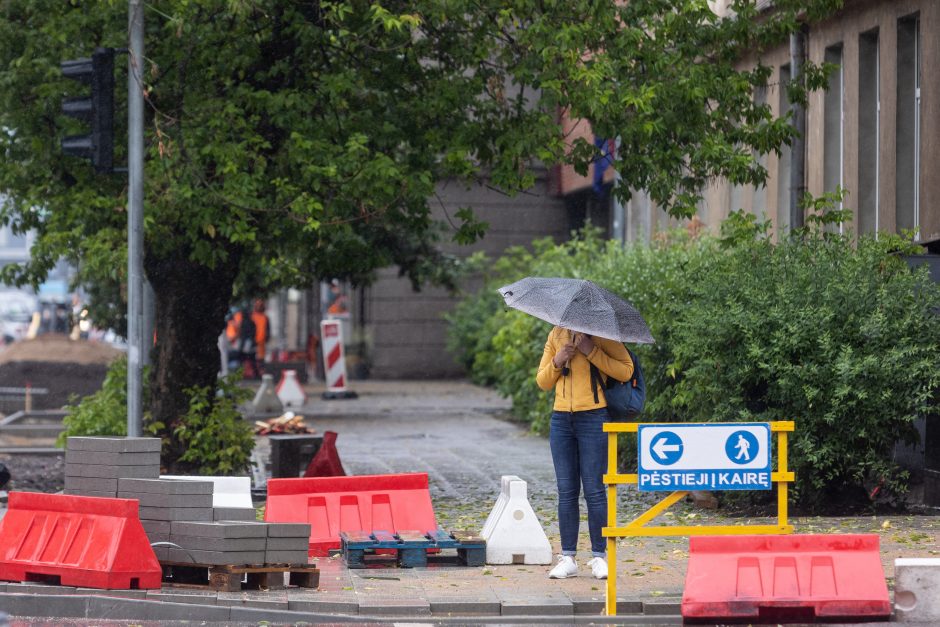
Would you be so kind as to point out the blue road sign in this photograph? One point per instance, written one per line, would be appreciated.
(712, 456)
(666, 448)
(741, 447)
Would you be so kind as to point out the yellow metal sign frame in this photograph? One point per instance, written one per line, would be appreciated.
(782, 477)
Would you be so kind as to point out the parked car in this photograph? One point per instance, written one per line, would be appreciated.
(16, 313)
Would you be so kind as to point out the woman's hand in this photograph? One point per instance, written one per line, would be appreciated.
(585, 344)
(564, 355)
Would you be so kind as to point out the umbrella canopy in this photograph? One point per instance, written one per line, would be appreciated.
(578, 305)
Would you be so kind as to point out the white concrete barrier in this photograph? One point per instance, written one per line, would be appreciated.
(917, 589)
(266, 400)
(226, 491)
(289, 390)
(512, 531)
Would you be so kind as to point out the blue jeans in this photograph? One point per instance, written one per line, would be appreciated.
(579, 452)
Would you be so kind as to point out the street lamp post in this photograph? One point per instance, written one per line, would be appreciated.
(135, 220)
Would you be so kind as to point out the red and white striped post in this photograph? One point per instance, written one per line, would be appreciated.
(334, 360)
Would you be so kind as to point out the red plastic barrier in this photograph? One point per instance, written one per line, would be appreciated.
(359, 503)
(326, 462)
(797, 578)
(81, 540)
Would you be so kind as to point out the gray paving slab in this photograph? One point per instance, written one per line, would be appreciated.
(158, 537)
(171, 595)
(45, 605)
(662, 607)
(285, 557)
(464, 607)
(203, 514)
(152, 499)
(156, 526)
(272, 599)
(234, 513)
(287, 544)
(219, 544)
(219, 529)
(164, 486)
(220, 558)
(129, 594)
(91, 483)
(94, 493)
(590, 605)
(38, 588)
(323, 605)
(537, 607)
(112, 459)
(117, 609)
(393, 606)
(111, 472)
(113, 445)
(288, 530)
(595, 605)
(256, 615)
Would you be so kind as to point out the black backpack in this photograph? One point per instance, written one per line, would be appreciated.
(625, 399)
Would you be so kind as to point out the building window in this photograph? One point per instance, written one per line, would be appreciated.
(869, 108)
(833, 119)
(783, 164)
(908, 124)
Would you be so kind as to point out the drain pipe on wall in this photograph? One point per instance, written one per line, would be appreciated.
(798, 149)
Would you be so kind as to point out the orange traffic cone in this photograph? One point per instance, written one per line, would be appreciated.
(326, 462)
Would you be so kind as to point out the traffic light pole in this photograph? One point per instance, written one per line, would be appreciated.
(135, 218)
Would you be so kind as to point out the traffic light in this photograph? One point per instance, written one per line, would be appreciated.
(97, 110)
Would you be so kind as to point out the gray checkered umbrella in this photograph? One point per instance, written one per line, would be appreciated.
(578, 305)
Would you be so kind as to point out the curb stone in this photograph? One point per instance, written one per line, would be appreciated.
(538, 607)
(195, 605)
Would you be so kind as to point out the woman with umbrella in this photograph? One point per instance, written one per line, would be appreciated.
(582, 350)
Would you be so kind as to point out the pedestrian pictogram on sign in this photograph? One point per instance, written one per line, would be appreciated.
(713, 456)
(741, 447)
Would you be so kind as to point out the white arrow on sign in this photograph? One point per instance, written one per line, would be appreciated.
(661, 448)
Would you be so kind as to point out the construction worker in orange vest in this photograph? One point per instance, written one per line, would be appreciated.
(262, 327)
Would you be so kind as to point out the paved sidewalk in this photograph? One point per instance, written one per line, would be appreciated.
(459, 434)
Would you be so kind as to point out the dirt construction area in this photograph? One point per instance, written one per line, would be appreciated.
(62, 367)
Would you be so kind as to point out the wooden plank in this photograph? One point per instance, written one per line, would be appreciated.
(472, 557)
(443, 540)
(355, 536)
(385, 537)
(468, 537)
(305, 577)
(412, 558)
(412, 536)
(241, 570)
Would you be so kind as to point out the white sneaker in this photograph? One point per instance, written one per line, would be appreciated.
(598, 567)
(566, 567)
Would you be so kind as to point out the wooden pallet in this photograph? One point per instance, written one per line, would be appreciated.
(410, 548)
(231, 578)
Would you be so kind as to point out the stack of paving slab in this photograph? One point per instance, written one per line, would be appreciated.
(236, 543)
(231, 496)
(93, 465)
(287, 543)
(163, 501)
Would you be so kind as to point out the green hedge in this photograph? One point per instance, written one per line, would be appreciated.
(834, 334)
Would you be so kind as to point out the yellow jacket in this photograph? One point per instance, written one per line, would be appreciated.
(574, 392)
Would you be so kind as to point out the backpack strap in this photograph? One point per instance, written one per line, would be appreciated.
(595, 381)
(633, 378)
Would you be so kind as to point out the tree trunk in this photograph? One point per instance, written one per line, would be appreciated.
(191, 303)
